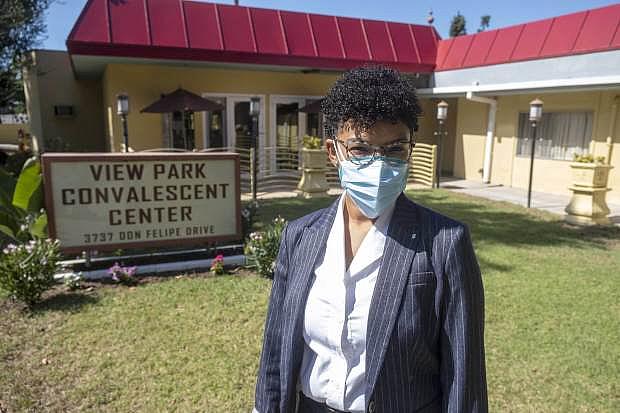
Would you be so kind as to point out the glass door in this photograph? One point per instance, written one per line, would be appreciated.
(287, 126)
(288, 141)
(215, 125)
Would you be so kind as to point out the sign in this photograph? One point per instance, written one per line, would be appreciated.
(106, 201)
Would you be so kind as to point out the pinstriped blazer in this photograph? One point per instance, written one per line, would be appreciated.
(425, 334)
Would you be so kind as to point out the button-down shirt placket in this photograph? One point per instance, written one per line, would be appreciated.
(336, 315)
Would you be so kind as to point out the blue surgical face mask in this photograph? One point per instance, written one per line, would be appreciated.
(375, 186)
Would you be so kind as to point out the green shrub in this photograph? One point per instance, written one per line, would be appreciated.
(27, 270)
(22, 216)
(312, 142)
(588, 158)
(261, 248)
(73, 281)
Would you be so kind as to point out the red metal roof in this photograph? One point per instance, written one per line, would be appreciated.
(192, 30)
(583, 32)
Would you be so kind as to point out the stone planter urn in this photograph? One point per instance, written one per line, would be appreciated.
(587, 205)
(313, 181)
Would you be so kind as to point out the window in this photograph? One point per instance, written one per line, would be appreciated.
(563, 134)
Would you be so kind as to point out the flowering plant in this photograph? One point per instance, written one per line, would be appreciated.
(73, 281)
(261, 248)
(27, 270)
(217, 265)
(123, 275)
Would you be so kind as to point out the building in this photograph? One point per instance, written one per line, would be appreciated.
(229, 54)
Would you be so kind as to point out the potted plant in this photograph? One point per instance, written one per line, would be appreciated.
(590, 171)
(313, 181)
(587, 205)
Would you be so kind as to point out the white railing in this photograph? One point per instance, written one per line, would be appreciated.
(278, 168)
(423, 163)
(14, 119)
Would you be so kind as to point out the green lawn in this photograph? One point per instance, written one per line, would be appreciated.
(192, 344)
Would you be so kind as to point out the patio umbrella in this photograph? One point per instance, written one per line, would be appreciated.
(314, 107)
(182, 100)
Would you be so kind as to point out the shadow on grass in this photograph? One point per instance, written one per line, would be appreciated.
(65, 301)
(490, 221)
(514, 225)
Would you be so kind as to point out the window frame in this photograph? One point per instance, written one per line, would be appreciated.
(587, 139)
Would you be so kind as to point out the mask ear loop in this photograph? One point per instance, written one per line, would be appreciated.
(337, 151)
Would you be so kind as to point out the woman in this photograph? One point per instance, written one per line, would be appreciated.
(377, 302)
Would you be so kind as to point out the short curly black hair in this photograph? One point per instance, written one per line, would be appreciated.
(368, 93)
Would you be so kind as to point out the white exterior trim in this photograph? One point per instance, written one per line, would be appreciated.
(488, 145)
(565, 73)
(559, 85)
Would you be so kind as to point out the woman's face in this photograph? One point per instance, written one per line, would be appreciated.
(381, 133)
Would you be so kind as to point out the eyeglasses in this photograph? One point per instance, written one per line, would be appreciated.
(362, 153)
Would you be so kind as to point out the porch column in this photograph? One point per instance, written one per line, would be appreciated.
(488, 145)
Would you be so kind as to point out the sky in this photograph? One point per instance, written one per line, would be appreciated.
(63, 13)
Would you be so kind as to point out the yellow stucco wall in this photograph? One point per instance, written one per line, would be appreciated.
(552, 176)
(428, 126)
(96, 126)
(470, 134)
(51, 82)
(8, 132)
(145, 83)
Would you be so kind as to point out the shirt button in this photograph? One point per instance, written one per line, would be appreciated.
(371, 406)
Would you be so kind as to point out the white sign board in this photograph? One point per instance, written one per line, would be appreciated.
(106, 201)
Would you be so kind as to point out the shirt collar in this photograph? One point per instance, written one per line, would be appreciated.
(371, 247)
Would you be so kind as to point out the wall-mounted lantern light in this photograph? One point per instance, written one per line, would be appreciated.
(254, 106)
(122, 109)
(122, 104)
(442, 111)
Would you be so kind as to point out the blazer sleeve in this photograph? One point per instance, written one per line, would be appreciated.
(267, 393)
(462, 369)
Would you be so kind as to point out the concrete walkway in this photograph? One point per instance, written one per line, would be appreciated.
(549, 202)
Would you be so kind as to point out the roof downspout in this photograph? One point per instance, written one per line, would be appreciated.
(612, 128)
(488, 146)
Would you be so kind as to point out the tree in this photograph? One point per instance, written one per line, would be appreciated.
(21, 27)
(457, 27)
(484, 22)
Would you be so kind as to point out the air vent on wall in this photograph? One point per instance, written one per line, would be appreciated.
(64, 111)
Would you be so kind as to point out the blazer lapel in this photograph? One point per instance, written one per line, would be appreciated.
(311, 248)
(399, 251)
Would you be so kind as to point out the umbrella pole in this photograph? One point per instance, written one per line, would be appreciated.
(183, 128)
(170, 117)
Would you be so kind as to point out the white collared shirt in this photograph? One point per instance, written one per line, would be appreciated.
(336, 315)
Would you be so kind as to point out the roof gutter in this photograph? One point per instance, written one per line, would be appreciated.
(535, 86)
(612, 127)
(488, 145)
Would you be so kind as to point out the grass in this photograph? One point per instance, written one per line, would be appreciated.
(182, 345)
(192, 344)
